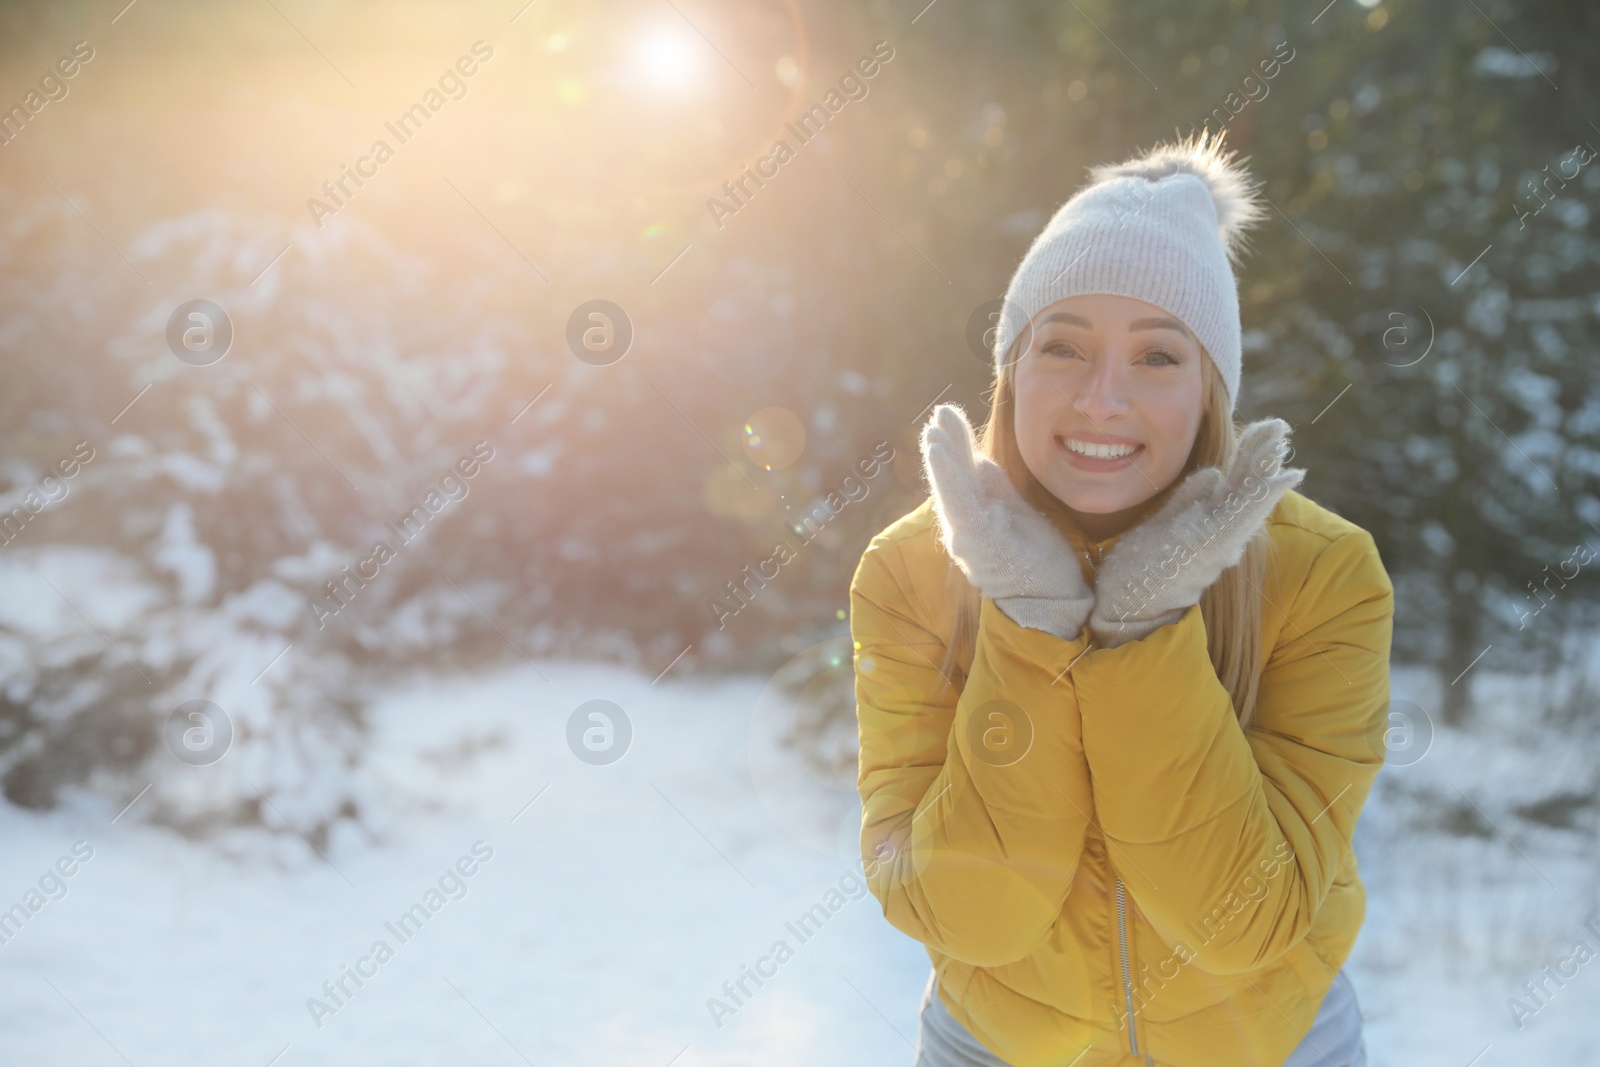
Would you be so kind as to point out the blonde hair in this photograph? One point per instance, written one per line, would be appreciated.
(1231, 606)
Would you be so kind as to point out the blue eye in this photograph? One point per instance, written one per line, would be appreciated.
(1170, 360)
(1057, 348)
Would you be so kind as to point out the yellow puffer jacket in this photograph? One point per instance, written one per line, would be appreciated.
(1083, 837)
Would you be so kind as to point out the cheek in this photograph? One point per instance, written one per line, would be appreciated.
(1033, 415)
(1174, 424)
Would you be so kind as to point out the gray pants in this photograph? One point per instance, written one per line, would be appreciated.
(1334, 1039)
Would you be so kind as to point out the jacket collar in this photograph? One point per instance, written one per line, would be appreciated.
(1092, 551)
(1086, 547)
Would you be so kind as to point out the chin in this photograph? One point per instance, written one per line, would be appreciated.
(1096, 500)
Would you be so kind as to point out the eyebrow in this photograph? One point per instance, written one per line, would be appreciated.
(1161, 322)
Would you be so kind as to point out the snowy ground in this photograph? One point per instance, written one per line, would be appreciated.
(617, 902)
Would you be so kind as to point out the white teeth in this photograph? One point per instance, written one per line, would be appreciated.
(1098, 451)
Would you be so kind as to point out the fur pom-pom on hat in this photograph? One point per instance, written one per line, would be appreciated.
(1234, 192)
(1166, 226)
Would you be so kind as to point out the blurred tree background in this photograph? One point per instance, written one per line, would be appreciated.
(1421, 307)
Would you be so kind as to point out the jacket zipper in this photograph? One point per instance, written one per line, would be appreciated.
(1127, 977)
(1122, 895)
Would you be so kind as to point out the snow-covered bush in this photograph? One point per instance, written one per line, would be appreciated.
(396, 461)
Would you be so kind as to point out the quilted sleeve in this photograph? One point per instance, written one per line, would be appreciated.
(974, 803)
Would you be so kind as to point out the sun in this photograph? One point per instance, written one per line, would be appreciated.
(668, 60)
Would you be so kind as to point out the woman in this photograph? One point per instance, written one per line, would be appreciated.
(1121, 690)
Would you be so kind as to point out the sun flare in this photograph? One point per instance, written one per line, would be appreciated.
(668, 59)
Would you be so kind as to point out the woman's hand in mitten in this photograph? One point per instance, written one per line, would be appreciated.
(1157, 570)
(1005, 547)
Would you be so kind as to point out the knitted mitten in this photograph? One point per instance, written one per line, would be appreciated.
(1005, 547)
(1157, 570)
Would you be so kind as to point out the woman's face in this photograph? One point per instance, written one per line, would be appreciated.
(1108, 404)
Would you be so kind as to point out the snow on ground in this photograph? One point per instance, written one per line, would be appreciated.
(609, 911)
(1474, 886)
(615, 904)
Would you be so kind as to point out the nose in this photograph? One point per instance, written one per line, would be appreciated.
(1101, 393)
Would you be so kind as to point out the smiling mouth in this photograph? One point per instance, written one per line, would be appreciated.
(1097, 450)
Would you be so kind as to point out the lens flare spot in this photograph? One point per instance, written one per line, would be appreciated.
(774, 438)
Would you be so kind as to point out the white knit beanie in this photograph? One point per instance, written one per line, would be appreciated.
(1164, 227)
